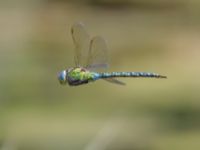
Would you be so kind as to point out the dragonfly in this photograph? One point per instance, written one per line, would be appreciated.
(91, 55)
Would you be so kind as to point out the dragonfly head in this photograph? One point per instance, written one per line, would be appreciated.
(62, 77)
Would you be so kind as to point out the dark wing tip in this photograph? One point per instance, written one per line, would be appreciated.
(164, 77)
(115, 81)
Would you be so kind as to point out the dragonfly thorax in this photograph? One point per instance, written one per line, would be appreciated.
(78, 75)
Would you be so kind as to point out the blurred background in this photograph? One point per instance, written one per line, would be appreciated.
(37, 113)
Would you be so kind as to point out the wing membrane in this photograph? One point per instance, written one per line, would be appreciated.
(81, 42)
(97, 55)
(115, 81)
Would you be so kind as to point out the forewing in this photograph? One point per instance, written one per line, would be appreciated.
(81, 42)
(115, 81)
(97, 55)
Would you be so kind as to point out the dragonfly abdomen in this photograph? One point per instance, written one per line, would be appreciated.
(131, 74)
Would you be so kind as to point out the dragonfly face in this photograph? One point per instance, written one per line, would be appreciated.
(62, 77)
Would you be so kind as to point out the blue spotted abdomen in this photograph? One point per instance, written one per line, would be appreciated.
(130, 74)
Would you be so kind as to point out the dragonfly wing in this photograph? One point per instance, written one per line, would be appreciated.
(97, 66)
(112, 80)
(97, 55)
(81, 42)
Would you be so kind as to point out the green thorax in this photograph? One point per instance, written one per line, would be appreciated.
(80, 74)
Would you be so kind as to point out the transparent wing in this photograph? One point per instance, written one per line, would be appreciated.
(81, 42)
(115, 81)
(98, 54)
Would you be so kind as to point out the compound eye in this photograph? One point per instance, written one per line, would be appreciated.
(62, 77)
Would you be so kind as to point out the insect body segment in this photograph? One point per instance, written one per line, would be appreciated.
(77, 76)
(131, 74)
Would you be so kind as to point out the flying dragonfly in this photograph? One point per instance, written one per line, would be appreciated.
(91, 55)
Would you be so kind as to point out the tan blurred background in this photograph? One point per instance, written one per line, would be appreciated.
(37, 113)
